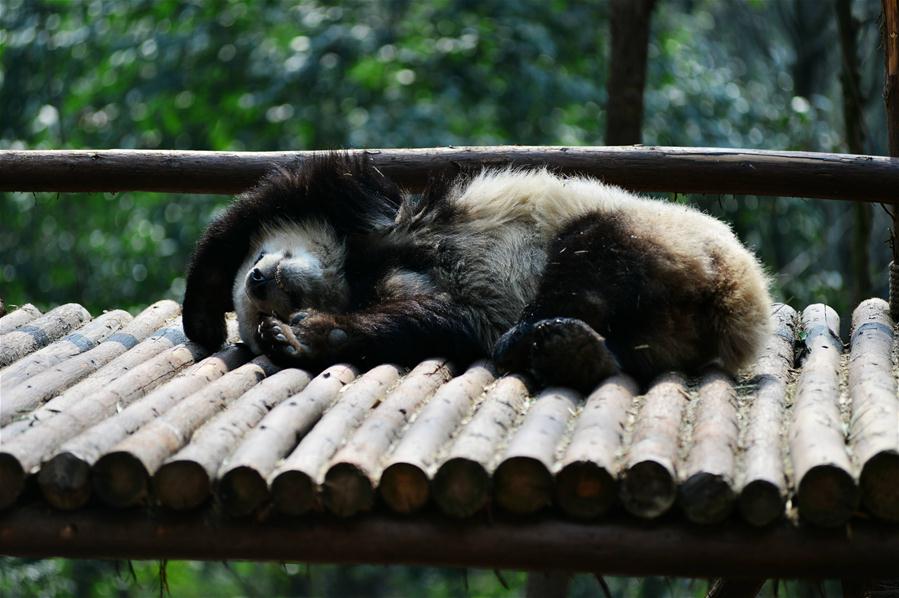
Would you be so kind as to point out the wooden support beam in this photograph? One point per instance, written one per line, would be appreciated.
(733, 550)
(891, 99)
(711, 171)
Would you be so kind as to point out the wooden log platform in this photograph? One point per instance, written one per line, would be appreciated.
(453, 465)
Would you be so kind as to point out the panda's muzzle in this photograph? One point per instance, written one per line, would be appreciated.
(258, 283)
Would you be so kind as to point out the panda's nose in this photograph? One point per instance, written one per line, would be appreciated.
(257, 283)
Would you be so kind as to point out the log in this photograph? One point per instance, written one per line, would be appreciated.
(84, 339)
(102, 365)
(19, 317)
(21, 455)
(890, 31)
(827, 493)
(49, 383)
(874, 432)
(243, 476)
(523, 482)
(586, 484)
(121, 477)
(648, 487)
(762, 481)
(41, 332)
(641, 168)
(462, 485)
(540, 543)
(185, 479)
(295, 483)
(405, 481)
(355, 469)
(64, 479)
(735, 587)
(706, 493)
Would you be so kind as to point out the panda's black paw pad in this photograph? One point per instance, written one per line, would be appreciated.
(512, 351)
(568, 352)
(278, 340)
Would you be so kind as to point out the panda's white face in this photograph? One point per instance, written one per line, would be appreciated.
(292, 267)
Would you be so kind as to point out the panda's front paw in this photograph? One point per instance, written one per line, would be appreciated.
(277, 340)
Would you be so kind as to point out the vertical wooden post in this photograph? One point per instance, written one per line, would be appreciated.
(629, 25)
(891, 99)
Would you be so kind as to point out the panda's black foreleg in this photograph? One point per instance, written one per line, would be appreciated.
(402, 331)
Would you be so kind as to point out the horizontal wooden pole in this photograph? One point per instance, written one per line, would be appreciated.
(621, 548)
(641, 168)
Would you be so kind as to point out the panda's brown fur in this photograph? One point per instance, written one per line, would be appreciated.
(564, 276)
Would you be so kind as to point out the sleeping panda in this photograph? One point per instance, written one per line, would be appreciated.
(561, 276)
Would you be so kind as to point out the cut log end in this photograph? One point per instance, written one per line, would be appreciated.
(648, 489)
(404, 487)
(182, 485)
(241, 491)
(523, 485)
(347, 490)
(12, 479)
(585, 490)
(827, 496)
(65, 481)
(461, 487)
(293, 492)
(761, 503)
(706, 498)
(880, 485)
(120, 479)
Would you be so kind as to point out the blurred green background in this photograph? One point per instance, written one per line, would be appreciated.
(296, 75)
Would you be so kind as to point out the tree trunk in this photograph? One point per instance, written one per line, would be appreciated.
(891, 98)
(629, 24)
(853, 117)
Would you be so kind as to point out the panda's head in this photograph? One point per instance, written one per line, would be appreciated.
(292, 266)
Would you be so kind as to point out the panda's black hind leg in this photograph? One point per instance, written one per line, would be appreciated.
(557, 351)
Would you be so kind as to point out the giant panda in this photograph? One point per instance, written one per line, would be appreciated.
(564, 277)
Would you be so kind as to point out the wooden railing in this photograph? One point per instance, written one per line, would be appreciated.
(713, 171)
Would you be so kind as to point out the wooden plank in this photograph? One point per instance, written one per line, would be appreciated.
(586, 483)
(121, 477)
(462, 485)
(536, 543)
(762, 481)
(405, 483)
(523, 481)
(874, 429)
(19, 317)
(355, 470)
(65, 478)
(59, 377)
(185, 479)
(826, 493)
(84, 339)
(295, 483)
(641, 168)
(41, 332)
(22, 454)
(242, 479)
(706, 493)
(649, 482)
(94, 370)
